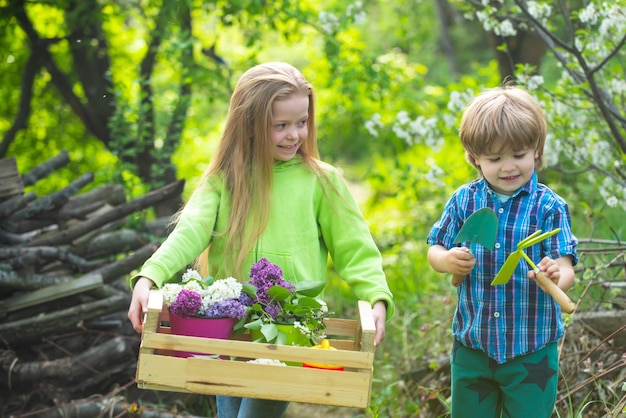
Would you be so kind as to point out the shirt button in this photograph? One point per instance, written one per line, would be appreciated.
(496, 315)
(500, 210)
(497, 245)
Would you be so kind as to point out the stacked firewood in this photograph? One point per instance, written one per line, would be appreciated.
(64, 261)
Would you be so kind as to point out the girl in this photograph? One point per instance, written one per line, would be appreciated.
(267, 194)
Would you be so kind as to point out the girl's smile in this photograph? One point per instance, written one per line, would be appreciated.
(289, 126)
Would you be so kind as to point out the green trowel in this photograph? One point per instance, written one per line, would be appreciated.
(481, 227)
(507, 269)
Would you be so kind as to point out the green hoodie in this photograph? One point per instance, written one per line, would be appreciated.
(307, 223)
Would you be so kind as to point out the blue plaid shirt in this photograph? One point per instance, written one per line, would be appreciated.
(507, 321)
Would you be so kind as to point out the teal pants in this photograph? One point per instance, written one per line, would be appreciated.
(523, 387)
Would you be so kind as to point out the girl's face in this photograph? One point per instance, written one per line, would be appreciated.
(507, 170)
(289, 126)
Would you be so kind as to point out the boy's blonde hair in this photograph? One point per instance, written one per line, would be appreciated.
(501, 118)
(244, 156)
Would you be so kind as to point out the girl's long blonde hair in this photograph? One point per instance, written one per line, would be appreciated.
(244, 156)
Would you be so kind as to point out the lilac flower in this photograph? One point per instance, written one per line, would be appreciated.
(187, 303)
(245, 299)
(231, 308)
(264, 275)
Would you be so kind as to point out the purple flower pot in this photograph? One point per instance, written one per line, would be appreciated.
(219, 328)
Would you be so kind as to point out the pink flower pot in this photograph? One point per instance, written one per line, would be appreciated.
(218, 328)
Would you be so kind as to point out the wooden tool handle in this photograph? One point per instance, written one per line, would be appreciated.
(457, 279)
(556, 292)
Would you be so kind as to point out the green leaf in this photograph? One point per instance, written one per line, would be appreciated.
(270, 332)
(249, 289)
(310, 287)
(279, 293)
(257, 324)
(307, 302)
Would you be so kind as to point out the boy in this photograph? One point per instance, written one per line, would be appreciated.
(504, 358)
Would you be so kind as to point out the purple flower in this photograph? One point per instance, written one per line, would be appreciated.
(231, 308)
(264, 275)
(187, 303)
(245, 299)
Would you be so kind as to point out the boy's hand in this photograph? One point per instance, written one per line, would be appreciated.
(459, 261)
(550, 268)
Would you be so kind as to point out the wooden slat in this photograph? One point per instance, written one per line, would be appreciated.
(249, 350)
(219, 377)
(10, 179)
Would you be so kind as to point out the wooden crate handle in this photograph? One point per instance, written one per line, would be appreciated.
(366, 329)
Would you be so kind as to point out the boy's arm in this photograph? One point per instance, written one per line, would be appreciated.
(560, 271)
(567, 272)
(456, 260)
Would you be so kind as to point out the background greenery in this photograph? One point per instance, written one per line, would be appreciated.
(137, 92)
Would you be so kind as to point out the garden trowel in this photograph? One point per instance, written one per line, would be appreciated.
(507, 269)
(481, 227)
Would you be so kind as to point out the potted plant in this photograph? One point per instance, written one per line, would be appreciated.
(280, 312)
(204, 307)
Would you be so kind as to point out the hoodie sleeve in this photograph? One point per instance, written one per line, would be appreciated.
(191, 235)
(350, 244)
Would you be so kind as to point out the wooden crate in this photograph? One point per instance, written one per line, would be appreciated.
(158, 369)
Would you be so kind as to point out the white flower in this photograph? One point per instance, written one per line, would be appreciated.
(589, 14)
(329, 22)
(191, 274)
(221, 290)
(612, 201)
(374, 124)
(267, 361)
(505, 28)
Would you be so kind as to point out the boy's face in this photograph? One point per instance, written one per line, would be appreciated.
(507, 170)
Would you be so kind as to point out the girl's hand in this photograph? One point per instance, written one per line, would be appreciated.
(380, 316)
(139, 302)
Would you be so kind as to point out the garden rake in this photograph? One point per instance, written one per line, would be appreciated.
(505, 273)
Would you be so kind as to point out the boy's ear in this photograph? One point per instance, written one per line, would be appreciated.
(470, 159)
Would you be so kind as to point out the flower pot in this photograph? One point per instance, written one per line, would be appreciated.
(219, 328)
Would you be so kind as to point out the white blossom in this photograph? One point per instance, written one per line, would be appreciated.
(589, 14)
(505, 28)
(611, 201)
(191, 274)
(267, 361)
(221, 290)
(540, 11)
(374, 124)
(329, 22)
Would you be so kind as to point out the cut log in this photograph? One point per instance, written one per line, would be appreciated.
(44, 169)
(10, 180)
(61, 321)
(67, 236)
(76, 367)
(14, 203)
(110, 243)
(28, 256)
(54, 292)
(47, 203)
